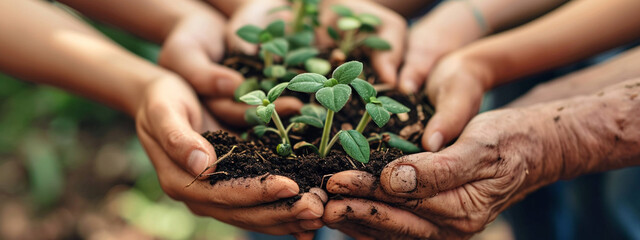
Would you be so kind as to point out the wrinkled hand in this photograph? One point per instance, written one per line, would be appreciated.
(168, 123)
(448, 27)
(393, 30)
(500, 157)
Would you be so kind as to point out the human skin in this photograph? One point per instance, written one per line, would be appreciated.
(49, 46)
(457, 84)
(500, 157)
(393, 29)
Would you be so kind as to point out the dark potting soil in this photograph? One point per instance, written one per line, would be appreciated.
(256, 156)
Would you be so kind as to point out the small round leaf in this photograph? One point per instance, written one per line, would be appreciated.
(334, 98)
(265, 112)
(364, 89)
(369, 19)
(342, 10)
(247, 86)
(249, 33)
(379, 115)
(348, 71)
(333, 33)
(275, 71)
(276, 28)
(348, 23)
(253, 98)
(304, 38)
(309, 120)
(376, 43)
(396, 141)
(393, 106)
(314, 110)
(251, 117)
(275, 92)
(307, 82)
(355, 145)
(299, 56)
(317, 65)
(277, 46)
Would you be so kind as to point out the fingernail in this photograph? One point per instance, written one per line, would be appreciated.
(320, 193)
(308, 215)
(435, 141)
(403, 179)
(286, 193)
(197, 162)
(408, 86)
(311, 224)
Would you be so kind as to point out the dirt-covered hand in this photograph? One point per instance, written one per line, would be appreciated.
(452, 194)
(393, 29)
(168, 123)
(445, 29)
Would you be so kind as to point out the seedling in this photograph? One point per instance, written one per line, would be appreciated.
(395, 141)
(356, 29)
(266, 111)
(271, 40)
(378, 108)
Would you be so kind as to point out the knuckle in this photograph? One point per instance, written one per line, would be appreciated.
(174, 138)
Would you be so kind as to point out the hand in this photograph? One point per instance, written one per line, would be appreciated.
(500, 157)
(448, 27)
(168, 123)
(393, 30)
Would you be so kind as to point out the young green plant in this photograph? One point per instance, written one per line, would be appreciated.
(356, 30)
(378, 109)
(333, 94)
(266, 111)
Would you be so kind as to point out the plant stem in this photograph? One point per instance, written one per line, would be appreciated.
(283, 132)
(332, 142)
(298, 9)
(268, 59)
(366, 118)
(346, 45)
(325, 133)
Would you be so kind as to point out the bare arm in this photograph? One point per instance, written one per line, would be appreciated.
(585, 81)
(48, 46)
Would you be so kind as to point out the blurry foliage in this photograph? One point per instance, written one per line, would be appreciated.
(58, 137)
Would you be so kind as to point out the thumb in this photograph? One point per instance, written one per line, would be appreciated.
(425, 174)
(415, 71)
(171, 127)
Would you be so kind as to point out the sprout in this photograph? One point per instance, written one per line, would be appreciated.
(266, 110)
(356, 29)
(378, 108)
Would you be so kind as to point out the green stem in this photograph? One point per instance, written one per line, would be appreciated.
(289, 128)
(346, 45)
(331, 143)
(366, 118)
(283, 132)
(268, 59)
(325, 133)
(298, 8)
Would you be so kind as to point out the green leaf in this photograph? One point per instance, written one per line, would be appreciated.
(249, 33)
(265, 37)
(376, 43)
(251, 117)
(348, 23)
(275, 92)
(300, 55)
(276, 28)
(247, 86)
(342, 10)
(253, 98)
(303, 144)
(317, 65)
(396, 141)
(268, 84)
(393, 106)
(348, 71)
(275, 71)
(265, 112)
(307, 82)
(260, 130)
(283, 149)
(333, 33)
(355, 145)
(314, 110)
(304, 38)
(277, 46)
(379, 115)
(278, 9)
(309, 120)
(364, 89)
(369, 19)
(334, 98)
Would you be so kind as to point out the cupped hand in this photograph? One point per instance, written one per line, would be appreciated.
(500, 157)
(393, 29)
(168, 123)
(447, 28)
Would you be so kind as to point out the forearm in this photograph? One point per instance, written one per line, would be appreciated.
(151, 19)
(557, 38)
(49, 46)
(623, 67)
(227, 7)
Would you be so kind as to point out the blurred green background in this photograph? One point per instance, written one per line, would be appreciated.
(71, 168)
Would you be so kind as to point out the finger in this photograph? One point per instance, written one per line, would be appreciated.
(360, 184)
(426, 174)
(230, 112)
(377, 215)
(386, 63)
(415, 71)
(456, 102)
(232, 193)
(192, 62)
(309, 207)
